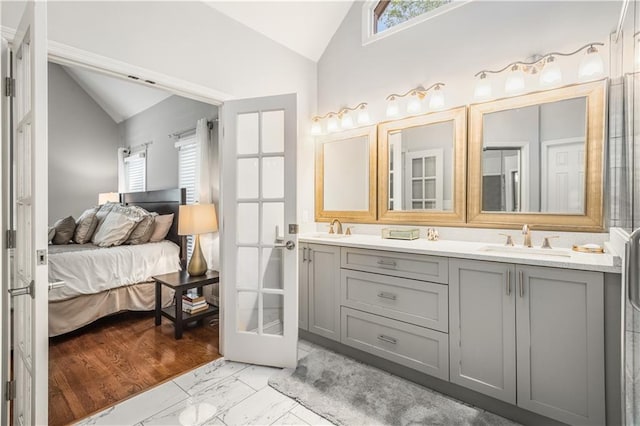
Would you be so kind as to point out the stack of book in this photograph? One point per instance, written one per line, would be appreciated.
(194, 305)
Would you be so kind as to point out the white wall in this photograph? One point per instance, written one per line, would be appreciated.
(155, 125)
(454, 46)
(193, 42)
(83, 141)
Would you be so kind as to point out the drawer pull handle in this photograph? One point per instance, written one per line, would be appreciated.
(521, 282)
(387, 339)
(508, 282)
(386, 295)
(387, 263)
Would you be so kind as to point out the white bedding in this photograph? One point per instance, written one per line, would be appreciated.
(87, 269)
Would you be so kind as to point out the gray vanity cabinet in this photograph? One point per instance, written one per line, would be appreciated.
(320, 279)
(548, 322)
(560, 349)
(303, 287)
(482, 329)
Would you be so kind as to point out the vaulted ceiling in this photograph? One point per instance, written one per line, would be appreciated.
(306, 27)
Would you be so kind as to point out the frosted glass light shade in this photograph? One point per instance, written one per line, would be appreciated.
(196, 219)
(414, 106)
(515, 82)
(591, 65)
(437, 99)
(363, 116)
(392, 108)
(346, 122)
(332, 124)
(316, 128)
(105, 197)
(483, 89)
(551, 74)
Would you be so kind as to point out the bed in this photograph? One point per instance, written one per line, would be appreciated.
(105, 281)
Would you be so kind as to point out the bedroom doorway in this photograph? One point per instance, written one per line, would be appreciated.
(123, 137)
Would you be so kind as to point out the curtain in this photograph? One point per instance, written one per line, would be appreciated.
(122, 183)
(206, 182)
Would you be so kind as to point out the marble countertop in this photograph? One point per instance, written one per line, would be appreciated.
(472, 250)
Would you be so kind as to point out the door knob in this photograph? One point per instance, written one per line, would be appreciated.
(289, 245)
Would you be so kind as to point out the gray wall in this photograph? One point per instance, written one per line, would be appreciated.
(83, 142)
(155, 124)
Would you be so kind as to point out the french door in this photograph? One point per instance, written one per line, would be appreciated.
(259, 274)
(28, 284)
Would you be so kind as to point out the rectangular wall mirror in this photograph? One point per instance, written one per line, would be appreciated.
(346, 175)
(537, 159)
(421, 169)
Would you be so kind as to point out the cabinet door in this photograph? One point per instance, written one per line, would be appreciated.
(324, 290)
(482, 327)
(303, 287)
(560, 326)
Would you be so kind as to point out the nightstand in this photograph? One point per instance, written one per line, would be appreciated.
(181, 282)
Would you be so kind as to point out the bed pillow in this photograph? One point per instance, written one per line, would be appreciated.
(64, 230)
(86, 226)
(101, 215)
(161, 227)
(143, 230)
(117, 226)
(51, 233)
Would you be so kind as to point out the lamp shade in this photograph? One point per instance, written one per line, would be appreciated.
(196, 219)
(105, 197)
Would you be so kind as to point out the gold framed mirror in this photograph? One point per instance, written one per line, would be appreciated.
(345, 175)
(538, 159)
(422, 167)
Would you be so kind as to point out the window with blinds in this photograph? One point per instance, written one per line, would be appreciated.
(135, 168)
(188, 174)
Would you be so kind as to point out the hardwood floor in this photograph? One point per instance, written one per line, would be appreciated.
(118, 357)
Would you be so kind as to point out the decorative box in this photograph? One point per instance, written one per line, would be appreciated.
(400, 233)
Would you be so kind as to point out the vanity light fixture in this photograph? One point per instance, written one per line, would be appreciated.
(591, 67)
(343, 116)
(416, 97)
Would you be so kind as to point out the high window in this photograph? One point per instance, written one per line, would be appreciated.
(389, 13)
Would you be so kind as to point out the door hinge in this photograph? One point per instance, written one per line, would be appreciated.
(10, 390)
(41, 256)
(11, 238)
(9, 87)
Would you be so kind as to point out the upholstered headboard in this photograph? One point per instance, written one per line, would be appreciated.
(165, 201)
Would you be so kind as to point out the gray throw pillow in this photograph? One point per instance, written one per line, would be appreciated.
(51, 233)
(142, 232)
(64, 230)
(117, 226)
(86, 226)
(101, 214)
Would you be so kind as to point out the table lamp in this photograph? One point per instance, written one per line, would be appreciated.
(105, 197)
(196, 219)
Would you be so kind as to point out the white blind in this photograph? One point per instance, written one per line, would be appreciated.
(135, 168)
(187, 175)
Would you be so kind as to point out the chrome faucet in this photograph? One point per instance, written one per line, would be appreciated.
(526, 231)
(339, 230)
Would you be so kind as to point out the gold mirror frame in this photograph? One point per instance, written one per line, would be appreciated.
(455, 217)
(360, 216)
(592, 220)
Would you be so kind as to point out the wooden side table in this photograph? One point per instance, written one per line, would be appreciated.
(181, 282)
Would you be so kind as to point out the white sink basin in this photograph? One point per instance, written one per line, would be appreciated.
(526, 250)
(327, 235)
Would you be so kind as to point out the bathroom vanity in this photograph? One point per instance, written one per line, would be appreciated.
(522, 328)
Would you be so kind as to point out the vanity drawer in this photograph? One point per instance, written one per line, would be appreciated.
(414, 266)
(415, 347)
(417, 302)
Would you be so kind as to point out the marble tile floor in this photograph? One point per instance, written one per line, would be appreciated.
(219, 393)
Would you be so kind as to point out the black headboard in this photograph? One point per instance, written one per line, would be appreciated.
(165, 201)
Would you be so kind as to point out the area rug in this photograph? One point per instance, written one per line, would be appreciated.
(347, 392)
